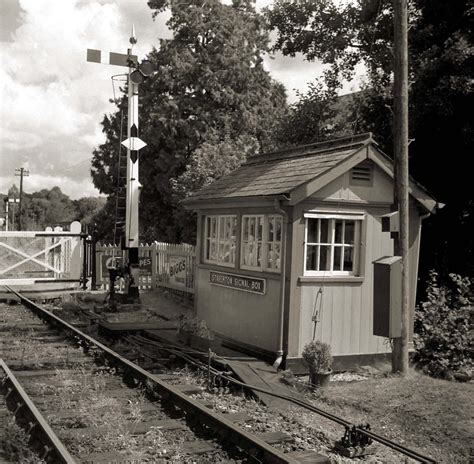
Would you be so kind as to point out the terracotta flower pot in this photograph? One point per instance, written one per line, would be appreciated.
(320, 379)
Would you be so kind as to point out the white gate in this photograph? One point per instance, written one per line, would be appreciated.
(28, 257)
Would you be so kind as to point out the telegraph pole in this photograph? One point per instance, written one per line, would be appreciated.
(400, 362)
(22, 172)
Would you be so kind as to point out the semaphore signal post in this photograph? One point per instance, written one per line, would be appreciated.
(136, 75)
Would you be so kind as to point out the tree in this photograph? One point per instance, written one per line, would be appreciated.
(87, 207)
(441, 73)
(49, 208)
(210, 89)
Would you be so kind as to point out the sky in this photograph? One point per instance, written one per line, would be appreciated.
(52, 101)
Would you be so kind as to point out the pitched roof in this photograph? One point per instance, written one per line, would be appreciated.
(292, 172)
(280, 172)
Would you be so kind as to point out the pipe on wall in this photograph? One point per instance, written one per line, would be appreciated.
(281, 318)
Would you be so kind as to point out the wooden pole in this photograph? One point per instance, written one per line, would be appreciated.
(400, 145)
(21, 172)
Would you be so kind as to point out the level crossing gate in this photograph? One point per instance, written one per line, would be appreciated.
(35, 257)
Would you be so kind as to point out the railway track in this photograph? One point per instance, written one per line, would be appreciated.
(99, 418)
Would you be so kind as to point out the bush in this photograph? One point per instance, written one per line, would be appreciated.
(443, 345)
(195, 326)
(317, 355)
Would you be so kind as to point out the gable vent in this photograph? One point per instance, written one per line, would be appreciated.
(361, 175)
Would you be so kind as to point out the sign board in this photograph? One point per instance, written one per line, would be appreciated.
(238, 282)
(145, 265)
(143, 261)
(178, 270)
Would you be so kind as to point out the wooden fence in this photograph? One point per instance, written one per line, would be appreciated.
(161, 265)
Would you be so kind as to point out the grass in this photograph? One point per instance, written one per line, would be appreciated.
(429, 415)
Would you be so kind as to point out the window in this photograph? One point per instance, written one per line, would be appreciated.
(332, 244)
(261, 242)
(219, 246)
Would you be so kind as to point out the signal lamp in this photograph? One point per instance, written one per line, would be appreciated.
(137, 77)
(147, 67)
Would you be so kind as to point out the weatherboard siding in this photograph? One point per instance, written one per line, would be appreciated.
(346, 307)
(346, 317)
(341, 188)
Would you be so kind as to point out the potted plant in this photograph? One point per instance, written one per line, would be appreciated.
(317, 355)
(194, 332)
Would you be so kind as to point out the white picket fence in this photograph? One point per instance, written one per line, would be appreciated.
(161, 265)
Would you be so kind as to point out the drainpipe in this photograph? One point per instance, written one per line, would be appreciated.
(281, 320)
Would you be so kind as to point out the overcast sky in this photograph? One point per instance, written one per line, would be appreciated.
(52, 100)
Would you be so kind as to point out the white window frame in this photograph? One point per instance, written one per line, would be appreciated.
(265, 242)
(207, 238)
(358, 219)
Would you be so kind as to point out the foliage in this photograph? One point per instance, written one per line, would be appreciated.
(195, 326)
(211, 95)
(51, 208)
(317, 355)
(16, 444)
(442, 328)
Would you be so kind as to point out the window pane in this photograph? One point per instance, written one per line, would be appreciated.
(325, 258)
(259, 254)
(259, 228)
(214, 227)
(271, 228)
(278, 222)
(251, 228)
(221, 227)
(339, 230)
(273, 256)
(245, 229)
(325, 232)
(213, 251)
(337, 258)
(349, 232)
(312, 230)
(312, 258)
(221, 251)
(208, 251)
(251, 258)
(348, 258)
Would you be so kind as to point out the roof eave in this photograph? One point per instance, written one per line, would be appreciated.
(214, 203)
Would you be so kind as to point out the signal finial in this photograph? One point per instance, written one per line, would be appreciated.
(133, 38)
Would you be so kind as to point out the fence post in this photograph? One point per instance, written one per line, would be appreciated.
(93, 263)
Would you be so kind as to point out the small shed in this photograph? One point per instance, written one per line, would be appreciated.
(285, 247)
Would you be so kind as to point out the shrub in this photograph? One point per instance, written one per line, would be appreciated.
(317, 355)
(443, 345)
(195, 326)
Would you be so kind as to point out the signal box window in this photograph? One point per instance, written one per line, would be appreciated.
(261, 242)
(332, 245)
(219, 245)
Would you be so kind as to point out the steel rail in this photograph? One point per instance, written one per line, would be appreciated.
(304, 404)
(223, 427)
(53, 449)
